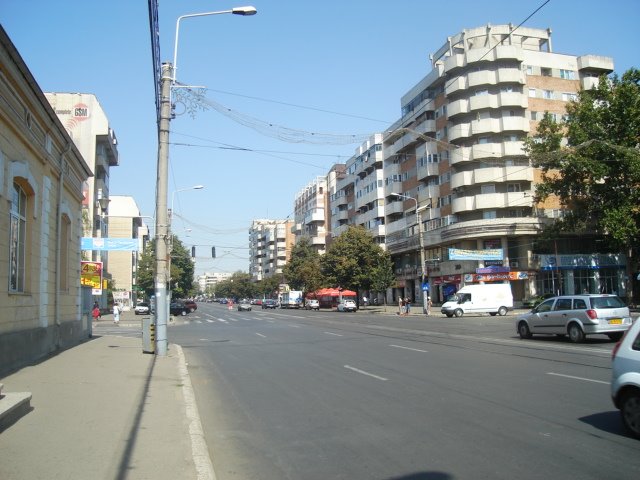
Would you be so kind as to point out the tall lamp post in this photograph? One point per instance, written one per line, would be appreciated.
(168, 80)
(425, 293)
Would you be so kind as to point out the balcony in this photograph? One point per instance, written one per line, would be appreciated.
(517, 124)
(482, 77)
(512, 99)
(454, 61)
(459, 107)
(490, 201)
(394, 208)
(482, 102)
(459, 83)
(462, 130)
(427, 170)
(595, 62)
(510, 75)
(485, 126)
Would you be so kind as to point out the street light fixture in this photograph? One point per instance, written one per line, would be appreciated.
(162, 229)
(425, 293)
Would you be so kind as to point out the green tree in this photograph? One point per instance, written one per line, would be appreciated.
(182, 270)
(596, 174)
(302, 271)
(267, 287)
(351, 260)
(238, 286)
(382, 275)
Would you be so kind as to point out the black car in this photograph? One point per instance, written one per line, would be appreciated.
(178, 308)
(269, 303)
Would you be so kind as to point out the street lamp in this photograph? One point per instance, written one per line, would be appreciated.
(162, 228)
(173, 195)
(425, 293)
(244, 11)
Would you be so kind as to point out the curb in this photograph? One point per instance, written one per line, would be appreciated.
(199, 450)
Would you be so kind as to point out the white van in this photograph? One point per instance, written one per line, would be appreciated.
(492, 298)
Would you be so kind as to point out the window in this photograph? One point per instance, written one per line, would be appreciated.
(548, 94)
(567, 74)
(568, 97)
(482, 92)
(489, 214)
(532, 92)
(17, 242)
(529, 69)
(488, 188)
(513, 187)
(534, 115)
(546, 72)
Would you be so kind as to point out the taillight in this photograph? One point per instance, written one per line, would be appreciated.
(592, 314)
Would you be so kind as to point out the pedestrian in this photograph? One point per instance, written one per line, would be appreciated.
(429, 305)
(95, 312)
(116, 314)
(400, 306)
(407, 306)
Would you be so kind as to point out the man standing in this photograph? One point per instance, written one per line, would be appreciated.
(116, 314)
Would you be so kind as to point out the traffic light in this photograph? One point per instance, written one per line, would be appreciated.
(213, 252)
(193, 252)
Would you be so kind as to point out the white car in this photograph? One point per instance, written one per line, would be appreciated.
(347, 306)
(142, 309)
(625, 379)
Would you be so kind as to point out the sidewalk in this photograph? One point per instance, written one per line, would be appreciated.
(106, 410)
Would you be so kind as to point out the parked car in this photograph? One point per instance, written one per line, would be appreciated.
(191, 305)
(256, 301)
(312, 304)
(178, 308)
(577, 316)
(142, 308)
(625, 379)
(244, 306)
(347, 306)
(269, 303)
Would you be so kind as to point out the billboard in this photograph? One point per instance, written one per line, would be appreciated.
(91, 274)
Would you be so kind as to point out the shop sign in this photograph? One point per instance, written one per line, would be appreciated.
(495, 277)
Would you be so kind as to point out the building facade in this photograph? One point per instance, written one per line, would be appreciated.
(270, 244)
(124, 221)
(311, 209)
(42, 174)
(208, 281)
(455, 160)
(87, 124)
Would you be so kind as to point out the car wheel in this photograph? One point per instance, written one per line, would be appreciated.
(183, 313)
(576, 335)
(523, 330)
(630, 411)
(458, 312)
(615, 336)
(502, 311)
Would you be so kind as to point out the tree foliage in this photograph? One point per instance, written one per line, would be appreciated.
(595, 174)
(182, 270)
(238, 286)
(302, 271)
(352, 259)
(382, 275)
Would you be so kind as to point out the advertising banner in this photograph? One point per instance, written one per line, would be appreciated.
(91, 274)
(110, 244)
(489, 254)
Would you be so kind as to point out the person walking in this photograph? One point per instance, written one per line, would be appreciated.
(429, 305)
(116, 314)
(95, 312)
(407, 303)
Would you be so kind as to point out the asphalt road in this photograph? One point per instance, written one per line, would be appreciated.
(318, 395)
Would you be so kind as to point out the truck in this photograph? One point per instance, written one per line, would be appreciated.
(491, 298)
(291, 299)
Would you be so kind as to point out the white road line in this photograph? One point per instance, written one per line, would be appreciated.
(233, 319)
(203, 339)
(408, 348)
(577, 378)
(209, 320)
(335, 334)
(365, 373)
(271, 321)
(294, 326)
(260, 335)
(222, 320)
(198, 321)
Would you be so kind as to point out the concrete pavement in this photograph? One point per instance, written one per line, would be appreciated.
(106, 410)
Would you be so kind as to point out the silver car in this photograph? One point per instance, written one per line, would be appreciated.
(625, 379)
(577, 316)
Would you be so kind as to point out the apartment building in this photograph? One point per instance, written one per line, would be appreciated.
(208, 281)
(41, 178)
(457, 154)
(124, 221)
(311, 210)
(88, 125)
(270, 243)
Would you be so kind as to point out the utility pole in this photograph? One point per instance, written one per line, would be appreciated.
(162, 224)
(425, 293)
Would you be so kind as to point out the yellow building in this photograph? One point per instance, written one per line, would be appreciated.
(41, 193)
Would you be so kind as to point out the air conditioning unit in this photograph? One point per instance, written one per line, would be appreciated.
(514, 263)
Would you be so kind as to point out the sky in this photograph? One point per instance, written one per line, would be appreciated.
(335, 67)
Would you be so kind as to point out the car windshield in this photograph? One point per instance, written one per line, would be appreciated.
(607, 302)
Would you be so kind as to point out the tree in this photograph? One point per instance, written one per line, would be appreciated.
(352, 259)
(182, 270)
(267, 287)
(238, 286)
(382, 276)
(596, 175)
(302, 271)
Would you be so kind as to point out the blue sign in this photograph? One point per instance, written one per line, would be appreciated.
(109, 244)
(425, 287)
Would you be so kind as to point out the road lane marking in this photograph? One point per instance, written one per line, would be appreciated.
(294, 326)
(335, 334)
(409, 348)
(577, 378)
(203, 339)
(209, 320)
(233, 319)
(362, 372)
(198, 321)
(222, 320)
(260, 335)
